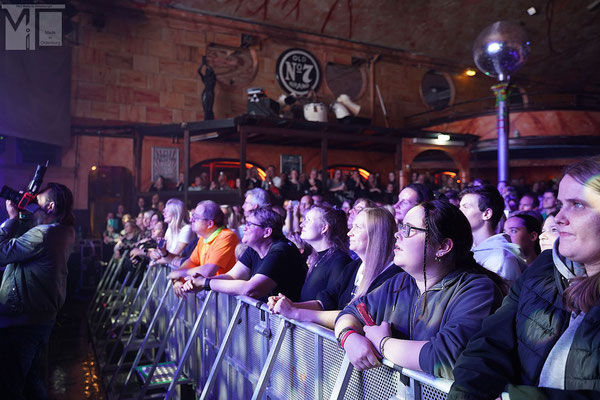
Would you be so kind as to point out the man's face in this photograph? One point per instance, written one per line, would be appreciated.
(549, 201)
(469, 205)
(407, 199)
(526, 203)
(248, 205)
(44, 202)
(200, 226)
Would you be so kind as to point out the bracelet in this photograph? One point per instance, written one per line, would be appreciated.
(382, 343)
(346, 335)
(207, 284)
(342, 332)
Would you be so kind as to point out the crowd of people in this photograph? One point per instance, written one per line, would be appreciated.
(496, 287)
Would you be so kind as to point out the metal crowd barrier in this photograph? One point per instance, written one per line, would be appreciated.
(232, 347)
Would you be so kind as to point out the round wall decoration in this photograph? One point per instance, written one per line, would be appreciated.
(298, 71)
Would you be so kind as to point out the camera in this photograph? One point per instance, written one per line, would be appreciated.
(28, 198)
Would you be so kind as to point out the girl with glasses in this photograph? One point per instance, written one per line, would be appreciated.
(423, 317)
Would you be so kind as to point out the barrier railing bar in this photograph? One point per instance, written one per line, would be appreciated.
(137, 322)
(119, 313)
(270, 361)
(319, 367)
(136, 327)
(106, 275)
(105, 292)
(343, 378)
(188, 347)
(140, 352)
(217, 363)
(162, 348)
(440, 384)
(111, 305)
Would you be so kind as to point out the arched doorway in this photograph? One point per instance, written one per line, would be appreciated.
(435, 168)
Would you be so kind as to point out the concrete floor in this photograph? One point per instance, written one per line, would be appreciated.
(72, 372)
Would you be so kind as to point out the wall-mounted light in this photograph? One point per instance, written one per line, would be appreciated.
(445, 141)
(443, 138)
(94, 168)
(204, 136)
(470, 72)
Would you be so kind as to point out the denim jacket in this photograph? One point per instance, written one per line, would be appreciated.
(35, 279)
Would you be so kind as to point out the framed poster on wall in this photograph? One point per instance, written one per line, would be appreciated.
(165, 162)
(289, 162)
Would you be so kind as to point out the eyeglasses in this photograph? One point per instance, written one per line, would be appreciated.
(195, 218)
(254, 224)
(407, 230)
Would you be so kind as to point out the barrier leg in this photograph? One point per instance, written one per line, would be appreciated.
(161, 350)
(270, 362)
(188, 347)
(125, 321)
(341, 383)
(221, 354)
(136, 327)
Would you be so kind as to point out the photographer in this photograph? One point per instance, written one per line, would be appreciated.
(33, 288)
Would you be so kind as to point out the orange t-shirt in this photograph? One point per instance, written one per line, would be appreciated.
(219, 251)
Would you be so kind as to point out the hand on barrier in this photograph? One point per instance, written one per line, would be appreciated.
(272, 300)
(193, 284)
(155, 255)
(136, 252)
(361, 352)
(285, 307)
(178, 289)
(376, 333)
(178, 274)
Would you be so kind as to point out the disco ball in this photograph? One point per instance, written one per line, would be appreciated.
(501, 49)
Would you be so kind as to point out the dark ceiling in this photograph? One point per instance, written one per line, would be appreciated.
(565, 34)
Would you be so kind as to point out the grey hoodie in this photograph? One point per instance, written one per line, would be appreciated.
(499, 255)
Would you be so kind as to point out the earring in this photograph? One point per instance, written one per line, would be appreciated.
(438, 257)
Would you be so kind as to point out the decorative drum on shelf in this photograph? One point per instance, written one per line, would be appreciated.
(315, 112)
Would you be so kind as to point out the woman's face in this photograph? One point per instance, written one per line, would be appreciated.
(549, 233)
(359, 236)
(128, 228)
(157, 230)
(168, 214)
(139, 221)
(579, 223)
(408, 252)
(337, 174)
(312, 226)
(153, 221)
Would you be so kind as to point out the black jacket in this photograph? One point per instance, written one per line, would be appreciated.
(509, 352)
(35, 280)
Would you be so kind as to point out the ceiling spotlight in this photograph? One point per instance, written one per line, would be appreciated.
(531, 11)
(470, 72)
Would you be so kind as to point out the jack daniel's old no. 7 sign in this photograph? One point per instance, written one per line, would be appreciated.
(298, 71)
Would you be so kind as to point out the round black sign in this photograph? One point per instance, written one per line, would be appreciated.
(298, 71)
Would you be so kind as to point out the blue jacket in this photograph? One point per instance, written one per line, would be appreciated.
(35, 280)
(509, 352)
(453, 312)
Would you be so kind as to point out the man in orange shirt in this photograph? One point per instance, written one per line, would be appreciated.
(215, 252)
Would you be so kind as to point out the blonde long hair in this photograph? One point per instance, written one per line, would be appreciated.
(180, 215)
(381, 228)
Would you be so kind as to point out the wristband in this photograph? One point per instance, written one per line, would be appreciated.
(342, 332)
(345, 337)
(382, 343)
(207, 284)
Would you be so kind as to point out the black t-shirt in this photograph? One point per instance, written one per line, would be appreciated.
(328, 268)
(283, 264)
(338, 294)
